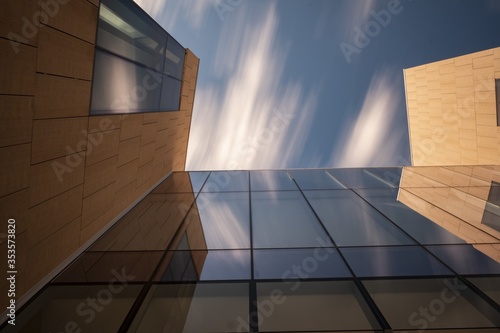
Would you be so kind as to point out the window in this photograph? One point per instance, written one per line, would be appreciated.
(66, 308)
(313, 306)
(410, 304)
(138, 66)
(271, 181)
(316, 180)
(368, 178)
(315, 263)
(352, 222)
(491, 215)
(194, 308)
(392, 261)
(206, 265)
(283, 219)
(465, 259)
(419, 227)
(225, 220)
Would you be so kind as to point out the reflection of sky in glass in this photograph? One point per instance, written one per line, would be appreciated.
(271, 181)
(299, 263)
(283, 219)
(197, 180)
(465, 259)
(351, 221)
(226, 265)
(225, 219)
(199, 265)
(226, 181)
(393, 261)
(316, 180)
(419, 227)
(368, 178)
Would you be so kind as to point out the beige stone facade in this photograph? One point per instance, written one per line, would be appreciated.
(451, 108)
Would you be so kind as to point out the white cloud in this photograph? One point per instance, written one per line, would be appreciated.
(372, 140)
(356, 14)
(247, 123)
(169, 11)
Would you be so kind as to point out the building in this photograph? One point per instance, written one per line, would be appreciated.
(77, 147)
(129, 242)
(453, 110)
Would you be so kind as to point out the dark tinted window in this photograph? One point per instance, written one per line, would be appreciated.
(491, 215)
(393, 261)
(138, 66)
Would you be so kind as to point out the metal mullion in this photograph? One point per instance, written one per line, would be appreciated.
(147, 286)
(469, 285)
(379, 317)
(252, 305)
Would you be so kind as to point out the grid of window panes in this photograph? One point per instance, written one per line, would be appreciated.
(138, 66)
(273, 251)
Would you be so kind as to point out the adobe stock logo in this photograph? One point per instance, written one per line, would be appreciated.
(372, 29)
(225, 6)
(428, 314)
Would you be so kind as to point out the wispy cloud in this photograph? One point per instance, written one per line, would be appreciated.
(194, 12)
(372, 140)
(253, 120)
(356, 13)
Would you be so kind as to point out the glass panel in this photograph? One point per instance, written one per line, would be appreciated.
(207, 265)
(271, 181)
(138, 65)
(393, 261)
(311, 306)
(351, 221)
(197, 180)
(315, 180)
(78, 308)
(131, 34)
(431, 304)
(194, 308)
(488, 285)
(224, 218)
(491, 215)
(170, 94)
(174, 58)
(465, 259)
(226, 181)
(102, 266)
(118, 86)
(150, 225)
(283, 219)
(177, 182)
(298, 264)
(368, 178)
(419, 227)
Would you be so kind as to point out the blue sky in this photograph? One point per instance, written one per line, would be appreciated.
(313, 83)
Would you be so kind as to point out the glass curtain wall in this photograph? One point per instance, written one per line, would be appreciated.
(273, 251)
